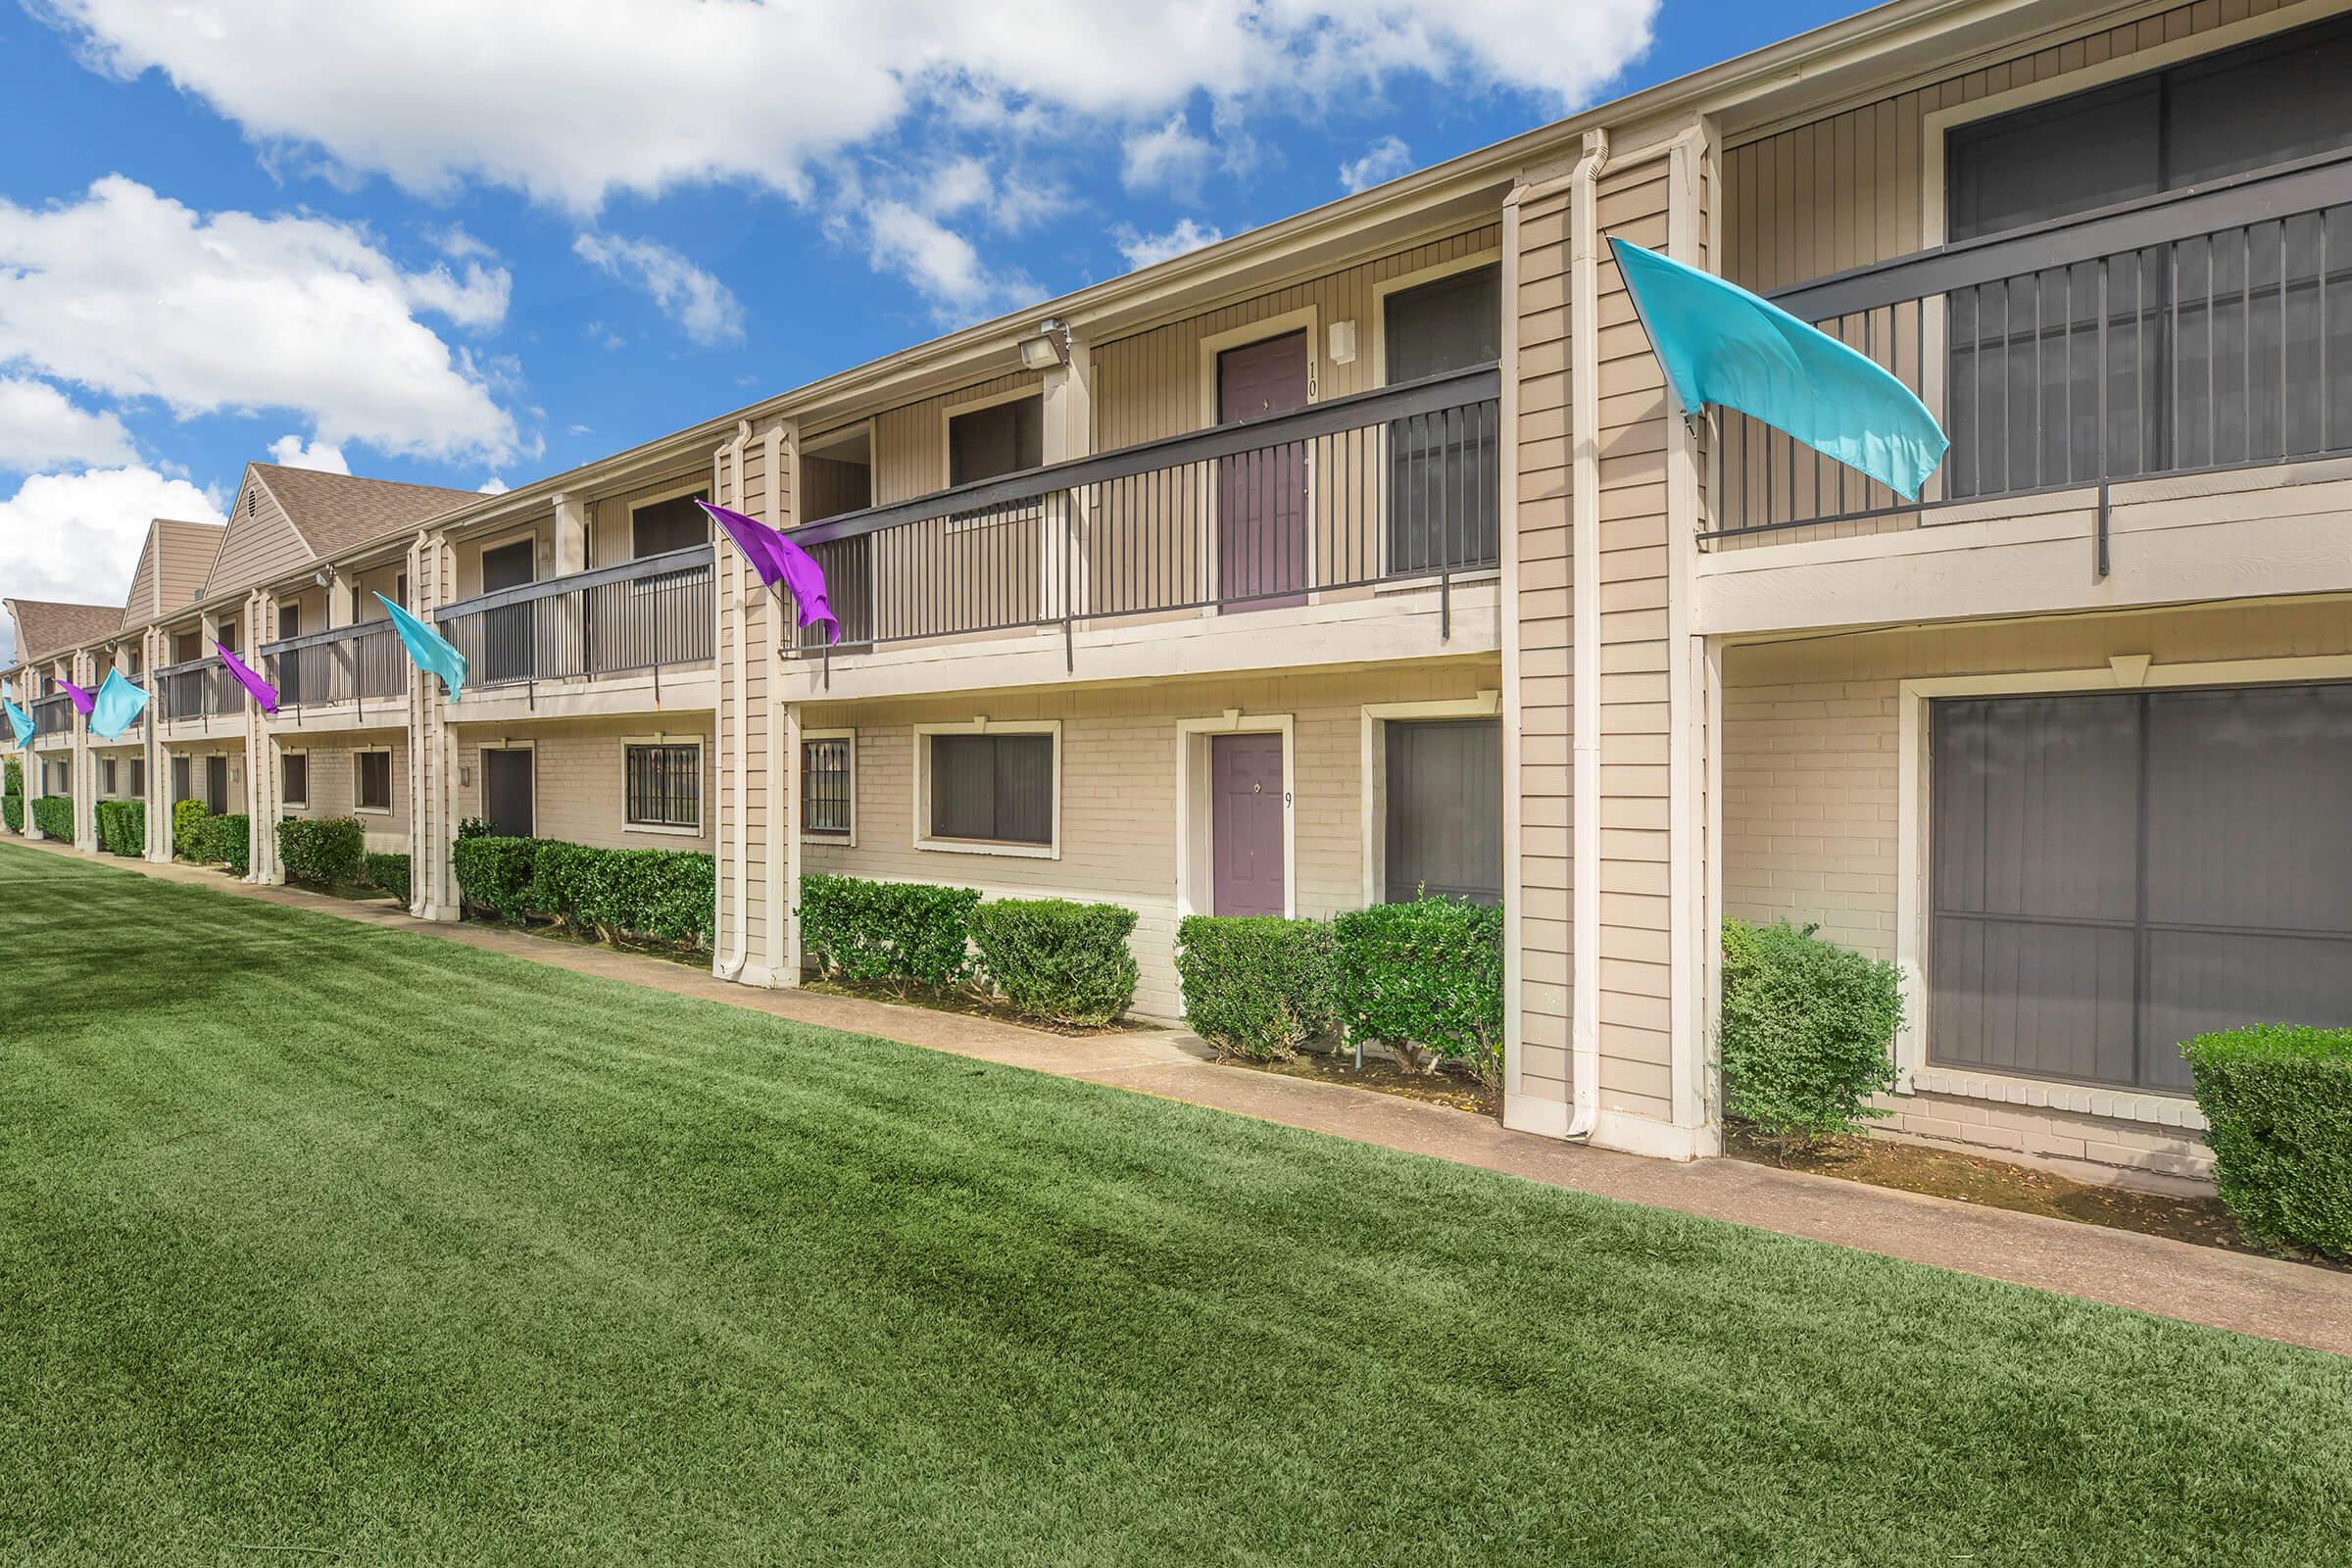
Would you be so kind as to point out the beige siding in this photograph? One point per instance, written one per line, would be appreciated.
(911, 443)
(578, 780)
(142, 600)
(470, 549)
(610, 539)
(185, 554)
(261, 543)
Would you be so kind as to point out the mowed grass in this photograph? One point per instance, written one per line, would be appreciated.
(319, 1237)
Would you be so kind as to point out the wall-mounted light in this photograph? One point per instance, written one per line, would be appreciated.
(1342, 342)
(1049, 348)
(323, 575)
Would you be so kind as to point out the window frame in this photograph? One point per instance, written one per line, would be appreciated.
(359, 774)
(922, 837)
(285, 796)
(1372, 775)
(685, 488)
(952, 411)
(847, 839)
(698, 744)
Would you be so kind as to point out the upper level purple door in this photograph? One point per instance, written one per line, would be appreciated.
(1246, 823)
(1261, 495)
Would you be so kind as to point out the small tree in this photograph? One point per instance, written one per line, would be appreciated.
(1807, 1032)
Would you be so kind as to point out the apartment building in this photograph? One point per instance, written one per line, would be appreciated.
(1366, 552)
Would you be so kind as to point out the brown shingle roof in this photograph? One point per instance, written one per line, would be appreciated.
(43, 627)
(338, 511)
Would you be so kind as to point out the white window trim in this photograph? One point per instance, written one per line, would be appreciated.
(284, 799)
(1191, 900)
(1913, 833)
(1372, 799)
(951, 411)
(391, 782)
(922, 787)
(701, 763)
(1490, 257)
(848, 840)
(481, 793)
(684, 487)
(541, 548)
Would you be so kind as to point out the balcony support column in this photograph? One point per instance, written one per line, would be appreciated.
(84, 769)
(571, 535)
(1068, 434)
(432, 749)
(158, 794)
(260, 759)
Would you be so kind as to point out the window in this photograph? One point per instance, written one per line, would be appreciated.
(53, 779)
(185, 646)
(106, 776)
(372, 780)
(660, 527)
(294, 773)
(1002, 438)
(1445, 471)
(828, 787)
(1444, 810)
(990, 789)
(138, 778)
(183, 787)
(663, 785)
(289, 620)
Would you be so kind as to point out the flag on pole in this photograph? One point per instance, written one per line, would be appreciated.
(262, 692)
(1721, 344)
(778, 559)
(81, 699)
(119, 706)
(19, 720)
(428, 650)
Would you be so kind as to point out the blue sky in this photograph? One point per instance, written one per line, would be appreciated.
(491, 242)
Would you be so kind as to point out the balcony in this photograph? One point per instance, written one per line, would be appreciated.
(344, 664)
(198, 689)
(646, 617)
(1399, 485)
(52, 716)
(2196, 334)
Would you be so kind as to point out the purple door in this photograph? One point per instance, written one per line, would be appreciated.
(1246, 823)
(1261, 495)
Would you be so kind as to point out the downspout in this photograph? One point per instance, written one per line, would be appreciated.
(731, 968)
(1584, 576)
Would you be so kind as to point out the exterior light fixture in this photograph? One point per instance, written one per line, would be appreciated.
(1049, 348)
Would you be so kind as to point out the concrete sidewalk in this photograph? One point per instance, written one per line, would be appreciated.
(2281, 1300)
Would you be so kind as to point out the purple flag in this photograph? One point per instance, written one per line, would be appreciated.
(81, 699)
(262, 692)
(778, 559)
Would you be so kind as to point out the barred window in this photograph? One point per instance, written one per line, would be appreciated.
(664, 786)
(826, 786)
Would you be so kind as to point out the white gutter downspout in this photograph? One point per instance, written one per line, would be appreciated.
(730, 968)
(1584, 576)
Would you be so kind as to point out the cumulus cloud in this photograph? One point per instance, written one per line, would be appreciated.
(41, 428)
(136, 296)
(1382, 162)
(493, 486)
(288, 451)
(943, 265)
(689, 296)
(77, 536)
(1144, 249)
(1168, 158)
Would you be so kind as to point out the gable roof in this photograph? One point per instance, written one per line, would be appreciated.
(337, 512)
(44, 626)
(173, 564)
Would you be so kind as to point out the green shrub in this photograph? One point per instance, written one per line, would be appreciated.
(476, 827)
(1807, 1031)
(560, 873)
(389, 873)
(15, 781)
(322, 850)
(1257, 985)
(53, 814)
(889, 933)
(2277, 1104)
(1057, 960)
(12, 811)
(494, 873)
(1424, 979)
(123, 827)
(227, 839)
(187, 822)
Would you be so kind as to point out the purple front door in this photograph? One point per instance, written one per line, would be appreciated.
(1261, 495)
(1245, 825)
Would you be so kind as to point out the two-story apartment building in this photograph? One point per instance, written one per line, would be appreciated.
(1364, 553)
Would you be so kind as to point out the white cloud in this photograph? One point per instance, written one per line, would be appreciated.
(697, 301)
(40, 428)
(77, 536)
(136, 296)
(493, 486)
(940, 263)
(1383, 161)
(1145, 250)
(1169, 158)
(288, 451)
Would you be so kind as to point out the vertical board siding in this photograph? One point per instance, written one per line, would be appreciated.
(610, 540)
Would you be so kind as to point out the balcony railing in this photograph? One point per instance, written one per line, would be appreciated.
(1399, 483)
(198, 688)
(53, 716)
(342, 664)
(2184, 333)
(648, 614)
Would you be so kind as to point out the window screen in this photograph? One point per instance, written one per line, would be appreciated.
(992, 786)
(666, 525)
(1444, 831)
(295, 771)
(1003, 438)
(825, 785)
(664, 786)
(374, 779)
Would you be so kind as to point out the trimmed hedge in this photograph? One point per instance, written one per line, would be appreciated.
(53, 814)
(671, 895)
(12, 811)
(14, 782)
(187, 826)
(1057, 960)
(1807, 1030)
(123, 827)
(1424, 979)
(493, 873)
(389, 873)
(323, 850)
(227, 839)
(2277, 1104)
(889, 933)
(1257, 985)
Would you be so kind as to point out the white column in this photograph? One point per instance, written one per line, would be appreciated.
(83, 770)
(432, 747)
(260, 755)
(151, 747)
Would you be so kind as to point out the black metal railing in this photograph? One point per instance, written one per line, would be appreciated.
(198, 688)
(53, 714)
(648, 614)
(2202, 330)
(342, 664)
(1400, 483)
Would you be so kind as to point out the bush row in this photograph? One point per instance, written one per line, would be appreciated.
(227, 839)
(389, 873)
(671, 895)
(323, 850)
(1054, 961)
(123, 827)
(12, 811)
(53, 814)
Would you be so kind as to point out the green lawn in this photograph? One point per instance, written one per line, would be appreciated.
(317, 1236)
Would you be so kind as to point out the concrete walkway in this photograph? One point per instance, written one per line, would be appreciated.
(2281, 1300)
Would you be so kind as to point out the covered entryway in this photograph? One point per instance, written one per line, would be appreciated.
(2114, 873)
(1261, 495)
(1246, 834)
(508, 793)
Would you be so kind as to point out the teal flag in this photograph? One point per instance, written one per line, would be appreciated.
(119, 705)
(428, 650)
(19, 720)
(1721, 344)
